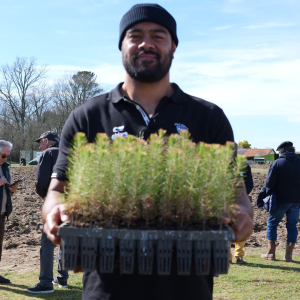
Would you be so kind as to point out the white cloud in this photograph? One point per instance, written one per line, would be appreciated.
(108, 74)
(247, 82)
(222, 27)
(270, 25)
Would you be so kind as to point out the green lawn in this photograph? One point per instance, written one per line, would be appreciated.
(17, 290)
(255, 280)
(260, 279)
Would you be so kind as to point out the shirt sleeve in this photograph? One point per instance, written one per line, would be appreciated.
(248, 180)
(220, 128)
(71, 127)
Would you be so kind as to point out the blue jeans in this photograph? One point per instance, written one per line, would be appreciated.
(46, 263)
(292, 216)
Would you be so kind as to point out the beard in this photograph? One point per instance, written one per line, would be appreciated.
(145, 71)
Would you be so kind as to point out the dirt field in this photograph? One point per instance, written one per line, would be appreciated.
(23, 230)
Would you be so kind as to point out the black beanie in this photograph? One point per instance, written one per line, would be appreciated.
(151, 13)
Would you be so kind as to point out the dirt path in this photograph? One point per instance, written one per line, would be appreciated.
(23, 230)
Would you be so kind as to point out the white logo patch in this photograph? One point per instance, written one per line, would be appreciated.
(118, 132)
(180, 127)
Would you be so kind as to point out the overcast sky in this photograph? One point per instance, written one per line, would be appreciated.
(242, 55)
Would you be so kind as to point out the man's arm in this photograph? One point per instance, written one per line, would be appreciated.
(53, 213)
(43, 174)
(271, 179)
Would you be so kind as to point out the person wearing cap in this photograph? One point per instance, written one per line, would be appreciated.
(284, 179)
(49, 142)
(145, 102)
(6, 192)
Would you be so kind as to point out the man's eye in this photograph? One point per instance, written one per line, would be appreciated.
(134, 36)
(158, 37)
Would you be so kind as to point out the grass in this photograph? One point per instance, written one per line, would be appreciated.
(257, 279)
(260, 279)
(17, 290)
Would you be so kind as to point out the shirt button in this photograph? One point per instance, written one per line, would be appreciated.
(154, 120)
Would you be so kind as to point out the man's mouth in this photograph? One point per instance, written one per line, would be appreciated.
(149, 55)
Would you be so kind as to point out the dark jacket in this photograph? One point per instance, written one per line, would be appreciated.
(248, 179)
(6, 173)
(284, 178)
(44, 169)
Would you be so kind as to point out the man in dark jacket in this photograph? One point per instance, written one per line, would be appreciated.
(49, 145)
(284, 180)
(5, 192)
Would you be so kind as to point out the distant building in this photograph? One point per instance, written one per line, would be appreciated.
(255, 152)
(258, 156)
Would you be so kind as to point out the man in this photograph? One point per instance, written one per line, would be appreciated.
(239, 246)
(284, 180)
(49, 145)
(140, 106)
(5, 192)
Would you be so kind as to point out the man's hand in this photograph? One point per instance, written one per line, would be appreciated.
(13, 188)
(3, 180)
(53, 213)
(54, 218)
(243, 225)
(242, 216)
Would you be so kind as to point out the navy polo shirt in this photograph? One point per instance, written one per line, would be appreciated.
(115, 114)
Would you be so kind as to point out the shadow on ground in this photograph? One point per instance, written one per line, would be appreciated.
(70, 293)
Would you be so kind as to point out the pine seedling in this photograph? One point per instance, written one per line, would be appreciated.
(73, 173)
(185, 204)
(119, 158)
(136, 181)
(80, 190)
(173, 179)
(157, 175)
(99, 174)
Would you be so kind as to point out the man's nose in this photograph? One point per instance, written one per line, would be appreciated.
(146, 43)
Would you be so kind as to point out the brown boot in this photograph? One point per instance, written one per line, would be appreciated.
(271, 251)
(289, 251)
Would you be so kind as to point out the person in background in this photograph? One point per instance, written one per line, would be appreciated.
(23, 161)
(6, 192)
(49, 142)
(239, 246)
(284, 179)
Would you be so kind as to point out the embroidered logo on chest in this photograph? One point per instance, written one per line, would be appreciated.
(118, 132)
(180, 127)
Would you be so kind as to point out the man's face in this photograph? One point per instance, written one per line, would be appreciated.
(4, 153)
(44, 144)
(147, 52)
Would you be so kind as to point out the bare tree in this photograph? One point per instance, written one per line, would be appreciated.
(19, 82)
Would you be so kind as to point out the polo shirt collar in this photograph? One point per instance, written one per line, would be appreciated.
(178, 96)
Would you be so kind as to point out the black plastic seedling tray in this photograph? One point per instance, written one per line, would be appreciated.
(91, 246)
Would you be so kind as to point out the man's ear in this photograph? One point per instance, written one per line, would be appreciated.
(173, 48)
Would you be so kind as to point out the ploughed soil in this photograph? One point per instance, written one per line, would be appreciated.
(23, 230)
